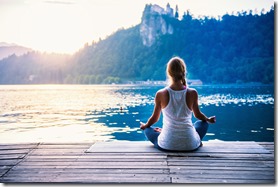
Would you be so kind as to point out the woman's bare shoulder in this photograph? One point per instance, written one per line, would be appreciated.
(162, 91)
(192, 92)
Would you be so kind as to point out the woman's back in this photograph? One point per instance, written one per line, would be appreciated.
(178, 132)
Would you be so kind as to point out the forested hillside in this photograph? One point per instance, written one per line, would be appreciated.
(230, 49)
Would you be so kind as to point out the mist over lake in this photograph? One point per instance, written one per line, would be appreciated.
(88, 113)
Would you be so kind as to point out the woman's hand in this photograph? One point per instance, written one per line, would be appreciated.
(142, 125)
(212, 119)
(157, 129)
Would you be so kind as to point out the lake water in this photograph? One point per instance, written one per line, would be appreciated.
(89, 113)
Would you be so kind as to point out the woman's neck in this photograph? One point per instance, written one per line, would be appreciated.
(177, 86)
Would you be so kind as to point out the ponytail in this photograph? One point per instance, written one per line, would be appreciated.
(183, 81)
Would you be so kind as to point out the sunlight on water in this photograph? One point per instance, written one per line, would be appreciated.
(88, 113)
(60, 112)
(248, 99)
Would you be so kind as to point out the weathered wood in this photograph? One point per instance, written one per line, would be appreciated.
(15, 151)
(209, 147)
(223, 175)
(11, 156)
(137, 162)
(16, 147)
(219, 181)
(37, 171)
(98, 163)
(9, 162)
(218, 168)
(91, 179)
(220, 171)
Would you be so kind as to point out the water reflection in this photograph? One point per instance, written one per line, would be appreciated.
(247, 99)
(78, 113)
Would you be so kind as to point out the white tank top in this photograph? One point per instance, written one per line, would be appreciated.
(178, 132)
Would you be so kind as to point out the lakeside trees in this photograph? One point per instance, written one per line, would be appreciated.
(234, 49)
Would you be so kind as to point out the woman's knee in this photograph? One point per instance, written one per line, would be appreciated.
(201, 128)
(148, 131)
(201, 124)
(151, 134)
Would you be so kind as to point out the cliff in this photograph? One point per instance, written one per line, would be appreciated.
(154, 23)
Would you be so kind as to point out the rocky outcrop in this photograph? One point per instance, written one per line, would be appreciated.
(153, 23)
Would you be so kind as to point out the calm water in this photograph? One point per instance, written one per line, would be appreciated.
(87, 113)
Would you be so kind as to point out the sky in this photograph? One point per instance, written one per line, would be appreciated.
(64, 26)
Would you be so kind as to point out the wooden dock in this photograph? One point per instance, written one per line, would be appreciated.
(137, 162)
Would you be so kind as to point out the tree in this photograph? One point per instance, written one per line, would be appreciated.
(177, 12)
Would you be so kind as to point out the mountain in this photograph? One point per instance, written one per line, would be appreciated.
(7, 50)
(232, 49)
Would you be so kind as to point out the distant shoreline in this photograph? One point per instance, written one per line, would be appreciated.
(154, 83)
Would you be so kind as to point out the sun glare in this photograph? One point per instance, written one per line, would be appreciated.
(53, 27)
(64, 26)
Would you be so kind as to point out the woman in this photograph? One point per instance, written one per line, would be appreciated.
(177, 102)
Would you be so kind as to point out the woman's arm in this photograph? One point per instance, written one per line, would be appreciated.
(156, 112)
(196, 111)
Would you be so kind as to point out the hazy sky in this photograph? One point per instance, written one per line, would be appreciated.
(66, 25)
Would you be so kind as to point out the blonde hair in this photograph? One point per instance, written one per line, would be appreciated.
(176, 70)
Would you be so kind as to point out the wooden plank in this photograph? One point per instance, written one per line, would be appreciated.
(57, 152)
(231, 144)
(47, 160)
(3, 171)
(61, 146)
(31, 144)
(233, 168)
(219, 172)
(122, 146)
(12, 156)
(34, 171)
(222, 164)
(85, 175)
(68, 144)
(10, 162)
(254, 162)
(124, 154)
(144, 146)
(30, 179)
(229, 150)
(145, 166)
(84, 161)
(120, 164)
(135, 162)
(100, 155)
(90, 179)
(235, 175)
(16, 147)
(66, 150)
(31, 156)
(235, 157)
(94, 159)
(219, 181)
(15, 151)
(113, 176)
(125, 159)
(221, 154)
(42, 167)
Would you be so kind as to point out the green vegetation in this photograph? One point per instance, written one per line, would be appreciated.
(234, 49)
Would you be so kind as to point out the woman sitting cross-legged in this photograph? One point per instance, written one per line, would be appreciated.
(177, 102)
